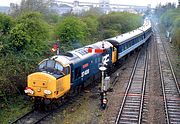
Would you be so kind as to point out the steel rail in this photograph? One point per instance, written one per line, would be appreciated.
(128, 88)
(170, 64)
(28, 113)
(143, 88)
(162, 83)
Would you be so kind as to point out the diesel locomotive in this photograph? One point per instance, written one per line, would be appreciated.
(57, 75)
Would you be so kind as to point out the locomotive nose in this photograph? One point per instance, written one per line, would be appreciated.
(41, 84)
(46, 85)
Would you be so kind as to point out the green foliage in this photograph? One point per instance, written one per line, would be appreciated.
(92, 26)
(53, 18)
(21, 50)
(168, 18)
(160, 9)
(176, 32)
(118, 22)
(110, 33)
(19, 37)
(72, 29)
(6, 23)
(171, 21)
(94, 11)
(31, 30)
(16, 108)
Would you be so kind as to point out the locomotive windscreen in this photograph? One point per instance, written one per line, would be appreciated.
(52, 66)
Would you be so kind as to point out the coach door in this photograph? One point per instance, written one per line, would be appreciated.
(77, 75)
(114, 54)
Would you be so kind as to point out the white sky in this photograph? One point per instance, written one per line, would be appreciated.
(132, 2)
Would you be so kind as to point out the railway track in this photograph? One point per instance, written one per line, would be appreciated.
(36, 116)
(131, 108)
(170, 86)
(32, 117)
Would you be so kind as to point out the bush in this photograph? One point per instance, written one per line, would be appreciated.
(21, 50)
(6, 23)
(72, 29)
(118, 21)
(176, 32)
(110, 33)
(171, 21)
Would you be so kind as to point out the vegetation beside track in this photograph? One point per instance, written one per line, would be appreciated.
(169, 18)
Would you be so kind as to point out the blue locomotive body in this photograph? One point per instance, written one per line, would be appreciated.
(88, 64)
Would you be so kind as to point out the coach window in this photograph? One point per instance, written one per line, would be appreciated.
(137, 40)
(133, 41)
(125, 46)
(122, 48)
(129, 44)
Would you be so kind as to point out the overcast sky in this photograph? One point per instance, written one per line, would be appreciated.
(132, 2)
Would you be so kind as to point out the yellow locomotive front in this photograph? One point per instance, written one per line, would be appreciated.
(52, 80)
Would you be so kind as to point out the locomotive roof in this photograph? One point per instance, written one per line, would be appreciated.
(80, 53)
(129, 35)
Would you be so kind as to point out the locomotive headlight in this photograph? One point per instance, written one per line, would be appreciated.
(47, 92)
(29, 90)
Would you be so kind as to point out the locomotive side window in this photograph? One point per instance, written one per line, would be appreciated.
(42, 65)
(58, 67)
(66, 70)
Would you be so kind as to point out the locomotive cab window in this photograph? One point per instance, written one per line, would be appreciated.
(42, 65)
(53, 67)
(58, 67)
(66, 70)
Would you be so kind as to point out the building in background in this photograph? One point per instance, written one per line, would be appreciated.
(76, 7)
(61, 8)
(105, 6)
